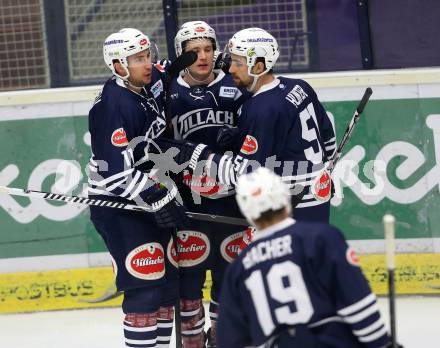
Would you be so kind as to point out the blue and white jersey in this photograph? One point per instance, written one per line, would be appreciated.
(298, 274)
(199, 111)
(121, 124)
(283, 127)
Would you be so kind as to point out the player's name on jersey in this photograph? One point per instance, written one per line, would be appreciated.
(268, 250)
(201, 118)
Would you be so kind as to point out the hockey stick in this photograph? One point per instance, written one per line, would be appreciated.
(389, 223)
(321, 187)
(117, 205)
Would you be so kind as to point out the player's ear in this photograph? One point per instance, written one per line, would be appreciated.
(259, 67)
(119, 68)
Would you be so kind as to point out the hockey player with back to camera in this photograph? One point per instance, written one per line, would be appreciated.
(283, 126)
(298, 284)
(202, 100)
(125, 118)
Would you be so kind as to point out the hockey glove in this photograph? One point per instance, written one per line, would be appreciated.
(184, 152)
(222, 61)
(172, 214)
(297, 195)
(226, 137)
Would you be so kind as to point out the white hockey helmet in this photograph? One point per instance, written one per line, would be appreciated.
(194, 30)
(120, 45)
(253, 43)
(261, 191)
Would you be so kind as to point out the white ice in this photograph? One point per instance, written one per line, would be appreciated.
(418, 325)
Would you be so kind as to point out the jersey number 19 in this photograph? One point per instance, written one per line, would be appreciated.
(286, 285)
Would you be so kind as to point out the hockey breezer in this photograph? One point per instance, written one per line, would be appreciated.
(321, 187)
(117, 205)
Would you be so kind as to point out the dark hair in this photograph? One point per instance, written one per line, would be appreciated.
(269, 215)
(262, 60)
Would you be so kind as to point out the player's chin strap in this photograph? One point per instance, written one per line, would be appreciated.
(126, 83)
(251, 89)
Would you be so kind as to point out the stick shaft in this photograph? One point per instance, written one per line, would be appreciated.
(117, 205)
(389, 226)
(350, 127)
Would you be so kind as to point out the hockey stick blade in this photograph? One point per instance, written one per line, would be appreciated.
(116, 205)
(218, 218)
(108, 295)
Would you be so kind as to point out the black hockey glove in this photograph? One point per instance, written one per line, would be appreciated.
(184, 152)
(172, 214)
(223, 62)
(298, 192)
(226, 137)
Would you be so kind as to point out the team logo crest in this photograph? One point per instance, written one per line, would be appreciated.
(159, 67)
(199, 29)
(143, 42)
(203, 185)
(251, 52)
(248, 236)
(352, 257)
(250, 145)
(172, 253)
(119, 137)
(322, 187)
(230, 247)
(146, 262)
(192, 248)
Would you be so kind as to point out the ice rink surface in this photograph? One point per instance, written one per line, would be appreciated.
(418, 326)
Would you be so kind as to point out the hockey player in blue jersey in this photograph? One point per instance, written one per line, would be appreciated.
(202, 101)
(283, 126)
(124, 119)
(298, 284)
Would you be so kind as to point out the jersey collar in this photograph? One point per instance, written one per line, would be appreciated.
(120, 82)
(219, 77)
(267, 87)
(266, 232)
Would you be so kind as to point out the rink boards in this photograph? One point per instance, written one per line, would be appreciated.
(68, 289)
(52, 258)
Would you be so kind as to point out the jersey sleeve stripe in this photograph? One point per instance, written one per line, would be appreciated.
(331, 140)
(116, 184)
(374, 336)
(330, 147)
(131, 185)
(362, 315)
(369, 329)
(142, 186)
(104, 182)
(355, 307)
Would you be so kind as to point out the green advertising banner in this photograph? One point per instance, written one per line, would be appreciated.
(390, 165)
(45, 154)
